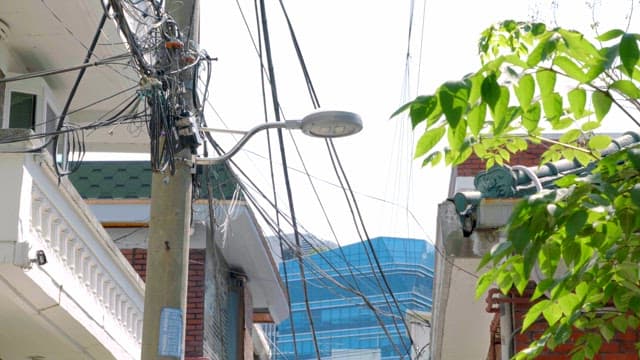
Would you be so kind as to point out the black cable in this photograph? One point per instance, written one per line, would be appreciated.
(316, 103)
(281, 239)
(303, 65)
(45, 73)
(373, 251)
(72, 94)
(277, 229)
(276, 108)
(123, 26)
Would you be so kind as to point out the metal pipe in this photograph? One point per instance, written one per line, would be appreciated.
(289, 124)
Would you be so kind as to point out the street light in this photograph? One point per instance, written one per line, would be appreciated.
(323, 124)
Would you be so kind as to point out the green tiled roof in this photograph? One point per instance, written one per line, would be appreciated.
(132, 180)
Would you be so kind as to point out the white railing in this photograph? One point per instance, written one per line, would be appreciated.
(91, 279)
(73, 252)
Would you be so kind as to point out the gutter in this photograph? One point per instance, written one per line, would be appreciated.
(516, 182)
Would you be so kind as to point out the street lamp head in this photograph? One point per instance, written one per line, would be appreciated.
(324, 124)
(331, 123)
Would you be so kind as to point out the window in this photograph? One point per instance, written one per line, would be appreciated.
(22, 113)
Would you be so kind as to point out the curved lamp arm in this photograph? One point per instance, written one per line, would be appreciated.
(325, 124)
(289, 124)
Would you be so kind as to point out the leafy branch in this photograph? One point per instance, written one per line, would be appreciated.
(583, 238)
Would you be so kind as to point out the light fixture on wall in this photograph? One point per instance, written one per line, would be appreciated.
(41, 258)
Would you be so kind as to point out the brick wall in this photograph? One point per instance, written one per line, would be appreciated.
(530, 157)
(193, 345)
(216, 295)
(621, 347)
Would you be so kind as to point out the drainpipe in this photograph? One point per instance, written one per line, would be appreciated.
(506, 330)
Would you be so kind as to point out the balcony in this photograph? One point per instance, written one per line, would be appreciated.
(86, 301)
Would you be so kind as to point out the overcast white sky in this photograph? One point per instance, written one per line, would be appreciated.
(355, 51)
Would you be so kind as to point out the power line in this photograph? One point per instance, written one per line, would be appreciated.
(277, 230)
(315, 267)
(276, 108)
(314, 97)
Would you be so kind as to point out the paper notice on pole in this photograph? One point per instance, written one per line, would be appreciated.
(170, 337)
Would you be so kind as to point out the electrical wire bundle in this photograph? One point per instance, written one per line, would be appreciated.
(170, 64)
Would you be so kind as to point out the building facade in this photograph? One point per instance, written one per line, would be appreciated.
(352, 317)
(73, 250)
(233, 281)
(470, 223)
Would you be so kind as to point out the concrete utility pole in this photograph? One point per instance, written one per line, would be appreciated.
(165, 301)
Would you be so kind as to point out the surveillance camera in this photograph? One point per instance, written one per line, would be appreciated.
(41, 258)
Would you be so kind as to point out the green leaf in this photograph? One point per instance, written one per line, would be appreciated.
(634, 157)
(594, 70)
(570, 68)
(579, 355)
(629, 53)
(515, 60)
(610, 35)
(552, 313)
(490, 91)
(421, 108)
(621, 299)
(524, 91)
(483, 283)
(601, 104)
(505, 281)
(570, 136)
(500, 119)
(453, 96)
(563, 123)
(538, 28)
(635, 194)
(607, 331)
(583, 158)
(568, 303)
(401, 109)
(577, 102)
(533, 314)
(428, 140)
(626, 87)
(541, 51)
(432, 159)
(599, 142)
(457, 135)
(552, 105)
(500, 251)
(519, 236)
(609, 56)
(477, 117)
(546, 81)
(576, 222)
(578, 47)
(620, 323)
(594, 342)
(476, 86)
(590, 125)
(531, 117)
(542, 287)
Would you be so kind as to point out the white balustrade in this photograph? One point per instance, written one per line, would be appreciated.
(64, 244)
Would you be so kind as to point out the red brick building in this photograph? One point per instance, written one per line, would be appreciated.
(468, 226)
(233, 282)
